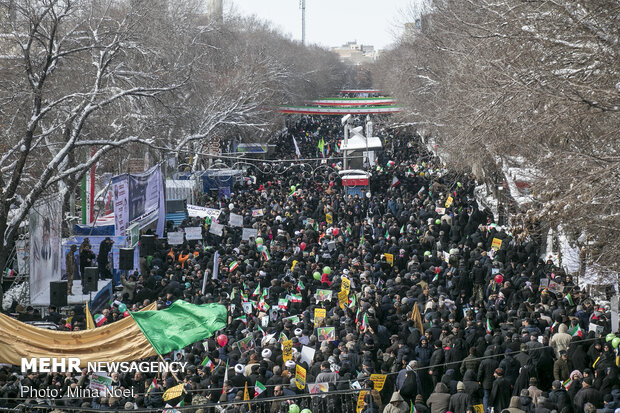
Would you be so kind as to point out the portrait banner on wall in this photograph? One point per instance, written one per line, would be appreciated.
(45, 248)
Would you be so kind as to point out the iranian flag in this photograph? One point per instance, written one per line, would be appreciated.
(208, 363)
(152, 386)
(352, 302)
(225, 377)
(364, 321)
(259, 388)
(300, 286)
(395, 182)
(233, 266)
(256, 291)
(266, 255)
(242, 318)
(100, 319)
(295, 298)
(576, 331)
(489, 328)
(263, 306)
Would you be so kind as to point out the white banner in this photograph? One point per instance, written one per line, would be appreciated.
(144, 194)
(45, 245)
(121, 204)
(235, 220)
(175, 238)
(203, 212)
(307, 355)
(249, 232)
(216, 229)
(193, 233)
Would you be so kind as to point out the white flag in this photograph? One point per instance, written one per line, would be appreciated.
(216, 270)
(296, 147)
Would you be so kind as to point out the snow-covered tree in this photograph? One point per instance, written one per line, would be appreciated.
(85, 82)
(536, 83)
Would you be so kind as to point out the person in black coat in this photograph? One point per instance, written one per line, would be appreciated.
(577, 354)
(559, 397)
(436, 363)
(587, 394)
(472, 387)
(411, 386)
(486, 376)
(501, 391)
(460, 401)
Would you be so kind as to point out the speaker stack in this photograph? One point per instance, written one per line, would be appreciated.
(58, 293)
(147, 245)
(125, 259)
(89, 280)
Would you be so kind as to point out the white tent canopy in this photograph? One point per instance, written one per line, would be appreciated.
(358, 142)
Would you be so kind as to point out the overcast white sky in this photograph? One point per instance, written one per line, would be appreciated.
(332, 22)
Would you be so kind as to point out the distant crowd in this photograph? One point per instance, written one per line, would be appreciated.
(500, 327)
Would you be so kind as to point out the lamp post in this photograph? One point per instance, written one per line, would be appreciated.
(345, 123)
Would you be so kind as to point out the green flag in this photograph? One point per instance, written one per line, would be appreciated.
(180, 325)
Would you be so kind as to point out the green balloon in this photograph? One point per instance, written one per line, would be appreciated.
(259, 240)
(438, 221)
(609, 337)
(122, 308)
(293, 408)
(327, 270)
(306, 411)
(427, 253)
(260, 248)
(459, 184)
(293, 187)
(615, 342)
(317, 275)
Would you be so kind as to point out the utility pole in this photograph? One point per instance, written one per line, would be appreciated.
(302, 6)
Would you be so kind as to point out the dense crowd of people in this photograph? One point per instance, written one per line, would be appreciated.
(498, 325)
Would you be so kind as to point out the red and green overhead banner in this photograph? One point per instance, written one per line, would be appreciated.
(353, 101)
(362, 110)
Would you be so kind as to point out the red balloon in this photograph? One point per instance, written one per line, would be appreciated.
(331, 183)
(222, 340)
(335, 231)
(302, 246)
(499, 278)
(126, 314)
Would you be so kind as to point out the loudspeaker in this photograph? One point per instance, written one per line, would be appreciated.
(58, 293)
(125, 259)
(147, 245)
(89, 280)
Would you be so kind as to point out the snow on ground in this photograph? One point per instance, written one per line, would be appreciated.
(511, 174)
(486, 200)
(19, 292)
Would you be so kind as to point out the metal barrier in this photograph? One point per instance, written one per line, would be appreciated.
(344, 401)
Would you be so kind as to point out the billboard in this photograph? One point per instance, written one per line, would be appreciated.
(139, 198)
(45, 245)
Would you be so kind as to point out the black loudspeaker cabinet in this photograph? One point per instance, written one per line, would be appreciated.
(125, 259)
(58, 293)
(89, 281)
(147, 245)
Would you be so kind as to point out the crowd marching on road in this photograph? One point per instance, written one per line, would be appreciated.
(409, 284)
